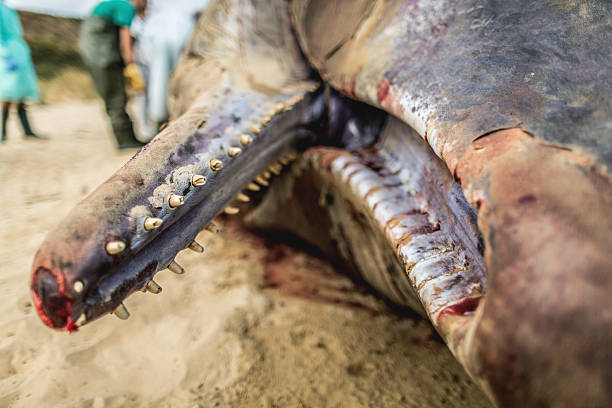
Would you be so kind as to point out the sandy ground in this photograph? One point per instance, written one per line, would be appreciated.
(218, 336)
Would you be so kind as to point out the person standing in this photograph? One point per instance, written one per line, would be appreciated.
(163, 48)
(107, 50)
(143, 126)
(18, 82)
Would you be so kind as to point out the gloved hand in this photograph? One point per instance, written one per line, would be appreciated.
(11, 64)
(133, 76)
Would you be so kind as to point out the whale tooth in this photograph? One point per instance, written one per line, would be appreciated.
(78, 286)
(176, 268)
(276, 168)
(81, 320)
(151, 223)
(262, 181)
(246, 140)
(231, 210)
(121, 312)
(234, 151)
(267, 175)
(253, 187)
(285, 161)
(216, 164)
(153, 287)
(243, 198)
(255, 129)
(198, 180)
(115, 247)
(194, 246)
(214, 228)
(176, 200)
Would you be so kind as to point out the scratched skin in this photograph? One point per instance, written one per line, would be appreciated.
(482, 200)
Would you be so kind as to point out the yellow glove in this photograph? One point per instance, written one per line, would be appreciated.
(133, 76)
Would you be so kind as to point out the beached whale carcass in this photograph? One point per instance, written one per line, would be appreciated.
(455, 154)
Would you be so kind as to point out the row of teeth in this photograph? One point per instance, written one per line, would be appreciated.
(116, 247)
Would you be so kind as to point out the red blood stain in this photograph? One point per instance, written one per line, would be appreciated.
(383, 91)
(70, 326)
(60, 304)
(467, 305)
(287, 271)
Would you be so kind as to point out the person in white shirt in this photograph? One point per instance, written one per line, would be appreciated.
(161, 48)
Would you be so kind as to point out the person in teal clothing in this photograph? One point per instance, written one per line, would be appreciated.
(18, 82)
(106, 48)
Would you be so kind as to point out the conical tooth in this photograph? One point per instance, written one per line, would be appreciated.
(81, 320)
(194, 246)
(253, 187)
(267, 175)
(122, 312)
(198, 180)
(231, 210)
(176, 200)
(246, 140)
(151, 223)
(214, 228)
(291, 156)
(216, 164)
(234, 151)
(276, 168)
(153, 287)
(176, 268)
(284, 161)
(243, 198)
(78, 286)
(255, 129)
(115, 247)
(262, 181)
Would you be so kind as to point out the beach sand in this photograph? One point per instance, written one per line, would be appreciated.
(226, 334)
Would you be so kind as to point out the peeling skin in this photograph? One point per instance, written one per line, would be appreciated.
(546, 222)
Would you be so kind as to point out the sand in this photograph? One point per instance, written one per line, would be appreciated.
(226, 334)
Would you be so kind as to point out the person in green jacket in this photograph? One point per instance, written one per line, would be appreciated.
(18, 82)
(106, 49)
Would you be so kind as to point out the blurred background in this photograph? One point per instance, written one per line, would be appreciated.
(53, 40)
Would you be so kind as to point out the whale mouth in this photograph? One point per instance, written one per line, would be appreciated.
(389, 210)
(133, 226)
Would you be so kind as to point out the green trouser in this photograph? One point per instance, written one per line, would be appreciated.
(99, 45)
(111, 87)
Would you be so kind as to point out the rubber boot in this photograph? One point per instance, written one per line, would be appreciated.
(5, 115)
(23, 118)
